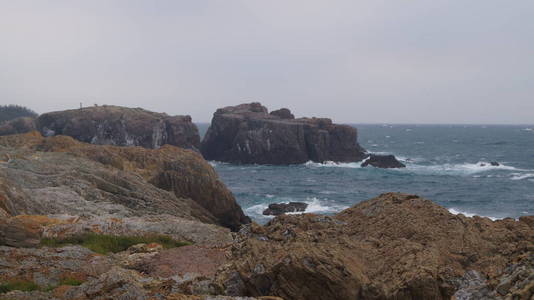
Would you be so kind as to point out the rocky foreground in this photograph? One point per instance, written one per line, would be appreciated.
(248, 133)
(395, 246)
(84, 221)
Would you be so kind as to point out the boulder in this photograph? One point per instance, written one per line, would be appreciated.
(58, 175)
(248, 134)
(383, 161)
(121, 126)
(276, 209)
(395, 246)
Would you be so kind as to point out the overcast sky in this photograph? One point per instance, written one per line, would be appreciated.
(395, 61)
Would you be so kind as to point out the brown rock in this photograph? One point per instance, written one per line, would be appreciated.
(133, 179)
(186, 262)
(395, 246)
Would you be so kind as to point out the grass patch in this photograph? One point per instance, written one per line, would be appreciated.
(70, 281)
(18, 285)
(103, 243)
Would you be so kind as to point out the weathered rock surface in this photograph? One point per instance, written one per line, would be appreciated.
(276, 209)
(247, 134)
(59, 175)
(201, 234)
(121, 126)
(109, 277)
(395, 246)
(18, 125)
(383, 161)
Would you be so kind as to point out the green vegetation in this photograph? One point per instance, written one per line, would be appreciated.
(103, 244)
(10, 112)
(28, 286)
(18, 285)
(70, 281)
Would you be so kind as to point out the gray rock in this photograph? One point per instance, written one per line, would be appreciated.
(276, 209)
(121, 126)
(248, 134)
(383, 161)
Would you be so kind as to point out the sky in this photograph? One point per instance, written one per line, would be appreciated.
(372, 61)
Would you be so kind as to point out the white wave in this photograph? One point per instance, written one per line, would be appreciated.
(469, 215)
(215, 163)
(453, 169)
(528, 129)
(520, 176)
(269, 196)
(257, 210)
(315, 205)
(331, 164)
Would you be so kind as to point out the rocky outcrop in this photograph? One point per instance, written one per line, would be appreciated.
(19, 125)
(121, 126)
(247, 133)
(276, 209)
(395, 246)
(143, 271)
(383, 161)
(59, 175)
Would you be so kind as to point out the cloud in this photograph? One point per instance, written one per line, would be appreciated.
(354, 61)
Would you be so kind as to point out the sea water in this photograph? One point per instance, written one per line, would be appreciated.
(449, 164)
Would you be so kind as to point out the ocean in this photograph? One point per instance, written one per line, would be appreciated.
(448, 164)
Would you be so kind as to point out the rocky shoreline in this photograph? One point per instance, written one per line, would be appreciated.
(395, 246)
(96, 220)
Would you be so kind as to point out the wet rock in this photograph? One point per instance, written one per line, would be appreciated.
(383, 161)
(121, 126)
(248, 134)
(276, 209)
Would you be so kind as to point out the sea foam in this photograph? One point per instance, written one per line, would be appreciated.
(457, 169)
(315, 205)
(469, 215)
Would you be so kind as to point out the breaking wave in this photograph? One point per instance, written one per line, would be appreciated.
(469, 215)
(315, 205)
(458, 169)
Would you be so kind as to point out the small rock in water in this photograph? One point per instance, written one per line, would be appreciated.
(383, 161)
(276, 209)
(495, 164)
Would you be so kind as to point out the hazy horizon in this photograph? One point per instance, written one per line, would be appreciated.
(370, 62)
